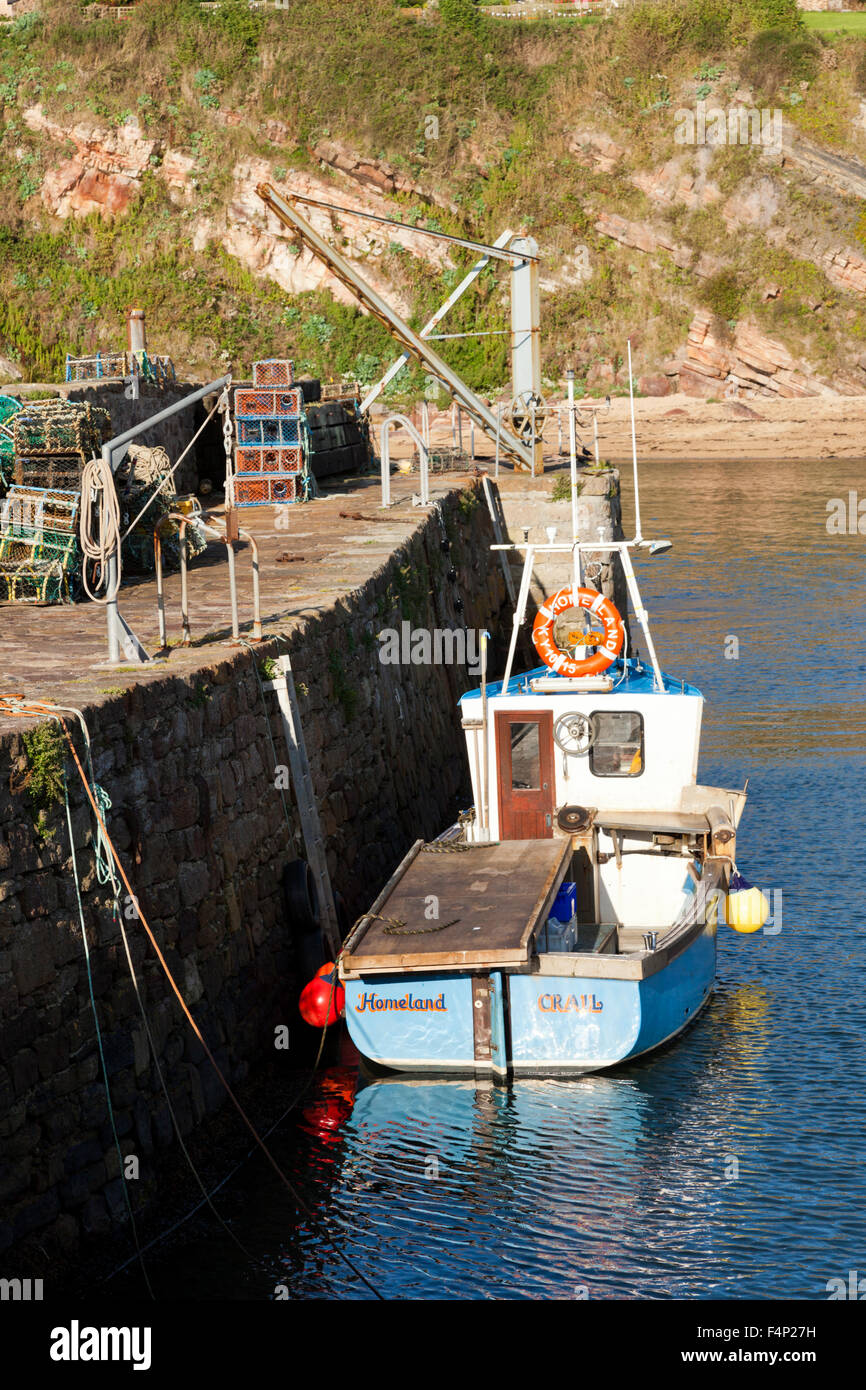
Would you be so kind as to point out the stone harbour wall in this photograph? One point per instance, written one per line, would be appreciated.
(201, 830)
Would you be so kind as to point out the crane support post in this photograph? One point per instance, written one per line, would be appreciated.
(406, 336)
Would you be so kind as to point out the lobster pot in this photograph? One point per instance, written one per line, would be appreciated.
(104, 364)
(59, 472)
(53, 514)
(448, 460)
(24, 578)
(258, 405)
(287, 460)
(273, 371)
(60, 428)
(275, 430)
(266, 489)
(341, 391)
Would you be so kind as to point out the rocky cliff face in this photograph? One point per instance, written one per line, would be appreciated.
(98, 168)
(103, 174)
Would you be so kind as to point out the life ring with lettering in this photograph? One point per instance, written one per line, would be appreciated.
(608, 646)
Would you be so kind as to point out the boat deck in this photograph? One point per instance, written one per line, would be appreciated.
(489, 899)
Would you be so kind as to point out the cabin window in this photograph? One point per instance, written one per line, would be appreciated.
(525, 757)
(617, 750)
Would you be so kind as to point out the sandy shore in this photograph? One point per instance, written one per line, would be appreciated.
(678, 427)
(681, 427)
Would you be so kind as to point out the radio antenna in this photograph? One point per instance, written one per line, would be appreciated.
(638, 534)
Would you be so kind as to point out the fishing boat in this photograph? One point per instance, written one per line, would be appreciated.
(567, 923)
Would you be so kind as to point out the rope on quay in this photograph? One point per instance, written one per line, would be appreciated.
(17, 706)
(100, 526)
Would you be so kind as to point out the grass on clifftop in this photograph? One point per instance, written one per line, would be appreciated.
(480, 112)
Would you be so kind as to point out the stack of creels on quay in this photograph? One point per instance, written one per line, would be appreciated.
(338, 431)
(117, 366)
(270, 450)
(8, 408)
(40, 559)
(54, 439)
(146, 471)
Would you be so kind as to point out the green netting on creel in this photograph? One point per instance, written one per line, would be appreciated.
(60, 427)
(8, 408)
(137, 552)
(36, 569)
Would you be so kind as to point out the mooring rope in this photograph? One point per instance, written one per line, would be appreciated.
(105, 875)
(100, 509)
(16, 705)
(99, 1044)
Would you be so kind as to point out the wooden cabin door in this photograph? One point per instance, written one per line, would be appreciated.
(524, 756)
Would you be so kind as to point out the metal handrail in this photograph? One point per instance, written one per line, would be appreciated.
(385, 456)
(186, 635)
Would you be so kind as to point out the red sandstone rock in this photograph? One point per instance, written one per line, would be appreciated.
(654, 386)
(593, 148)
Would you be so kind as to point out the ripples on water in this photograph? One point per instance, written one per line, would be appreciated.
(623, 1183)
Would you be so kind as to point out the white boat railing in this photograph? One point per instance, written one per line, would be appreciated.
(575, 549)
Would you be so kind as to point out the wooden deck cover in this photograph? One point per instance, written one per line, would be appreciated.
(495, 895)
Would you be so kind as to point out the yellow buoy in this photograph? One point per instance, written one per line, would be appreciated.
(746, 908)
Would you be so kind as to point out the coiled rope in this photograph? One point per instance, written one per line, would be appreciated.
(99, 527)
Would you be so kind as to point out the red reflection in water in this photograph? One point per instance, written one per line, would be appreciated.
(331, 1104)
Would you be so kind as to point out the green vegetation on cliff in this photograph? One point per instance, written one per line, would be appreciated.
(479, 115)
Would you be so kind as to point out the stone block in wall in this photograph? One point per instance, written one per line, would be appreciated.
(95, 1218)
(15, 1178)
(33, 956)
(36, 1213)
(193, 881)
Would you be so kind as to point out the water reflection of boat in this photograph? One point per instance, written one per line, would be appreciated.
(568, 922)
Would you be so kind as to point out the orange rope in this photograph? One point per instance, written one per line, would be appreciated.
(15, 705)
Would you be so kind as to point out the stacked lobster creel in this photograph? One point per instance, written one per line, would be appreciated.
(40, 561)
(338, 431)
(270, 454)
(8, 407)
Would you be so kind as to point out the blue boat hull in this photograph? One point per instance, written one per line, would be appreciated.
(541, 1024)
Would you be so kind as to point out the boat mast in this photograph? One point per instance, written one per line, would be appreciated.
(576, 547)
(637, 531)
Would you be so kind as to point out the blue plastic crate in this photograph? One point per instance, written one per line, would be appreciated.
(276, 430)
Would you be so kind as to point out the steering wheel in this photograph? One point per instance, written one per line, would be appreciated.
(521, 411)
(575, 733)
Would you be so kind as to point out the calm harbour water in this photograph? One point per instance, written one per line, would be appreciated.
(623, 1183)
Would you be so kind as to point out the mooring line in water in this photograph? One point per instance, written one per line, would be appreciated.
(139, 1252)
(18, 706)
(223, 1081)
(106, 875)
(171, 1110)
(164, 1235)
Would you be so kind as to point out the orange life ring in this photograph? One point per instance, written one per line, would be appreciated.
(608, 648)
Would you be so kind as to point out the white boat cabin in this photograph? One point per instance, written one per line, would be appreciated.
(612, 762)
(639, 746)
